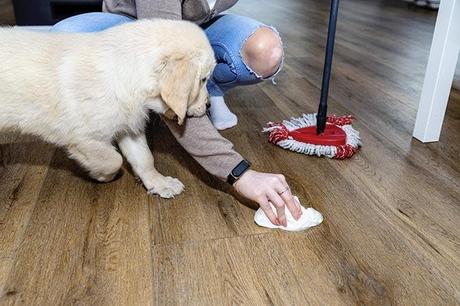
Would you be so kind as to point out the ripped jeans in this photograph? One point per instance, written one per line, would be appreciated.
(227, 34)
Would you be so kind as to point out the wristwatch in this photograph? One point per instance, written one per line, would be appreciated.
(238, 171)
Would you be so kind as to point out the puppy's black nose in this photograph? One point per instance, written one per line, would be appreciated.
(208, 105)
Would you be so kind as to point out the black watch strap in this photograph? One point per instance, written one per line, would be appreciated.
(238, 171)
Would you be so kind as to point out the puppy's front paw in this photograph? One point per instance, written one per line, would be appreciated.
(167, 187)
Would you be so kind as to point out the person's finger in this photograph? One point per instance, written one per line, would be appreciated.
(284, 191)
(266, 207)
(292, 205)
(279, 205)
(297, 202)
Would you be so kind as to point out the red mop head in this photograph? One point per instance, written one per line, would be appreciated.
(339, 139)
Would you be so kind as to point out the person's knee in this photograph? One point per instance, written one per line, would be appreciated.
(70, 25)
(263, 52)
(62, 27)
(89, 22)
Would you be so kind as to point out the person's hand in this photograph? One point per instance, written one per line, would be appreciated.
(264, 187)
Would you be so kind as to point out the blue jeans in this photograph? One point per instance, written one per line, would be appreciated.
(226, 33)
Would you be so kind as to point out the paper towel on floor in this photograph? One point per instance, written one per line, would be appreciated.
(309, 218)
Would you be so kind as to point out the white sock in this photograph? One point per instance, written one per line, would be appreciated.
(222, 118)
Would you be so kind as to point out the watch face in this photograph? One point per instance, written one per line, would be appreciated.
(240, 168)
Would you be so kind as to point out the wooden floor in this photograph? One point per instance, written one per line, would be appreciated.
(391, 233)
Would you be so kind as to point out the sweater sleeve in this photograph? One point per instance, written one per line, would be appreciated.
(204, 143)
(166, 9)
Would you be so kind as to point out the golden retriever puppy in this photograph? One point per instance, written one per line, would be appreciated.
(86, 91)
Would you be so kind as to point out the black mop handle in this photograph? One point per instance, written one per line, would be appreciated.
(322, 110)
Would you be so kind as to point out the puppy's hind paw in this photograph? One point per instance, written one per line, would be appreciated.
(167, 187)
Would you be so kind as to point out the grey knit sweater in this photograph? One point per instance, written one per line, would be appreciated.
(197, 11)
(198, 136)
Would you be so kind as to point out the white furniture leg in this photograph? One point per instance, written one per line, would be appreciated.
(439, 73)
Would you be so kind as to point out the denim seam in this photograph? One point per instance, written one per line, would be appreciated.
(234, 60)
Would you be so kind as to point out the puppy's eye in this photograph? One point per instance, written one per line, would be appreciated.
(203, 80)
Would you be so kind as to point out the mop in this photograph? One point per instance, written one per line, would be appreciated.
(317, 134)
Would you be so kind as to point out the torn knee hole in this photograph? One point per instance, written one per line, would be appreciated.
(263, 52)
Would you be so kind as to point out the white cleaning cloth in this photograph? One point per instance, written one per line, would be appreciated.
(309, 218)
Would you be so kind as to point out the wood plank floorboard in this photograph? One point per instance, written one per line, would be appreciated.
(390, 236)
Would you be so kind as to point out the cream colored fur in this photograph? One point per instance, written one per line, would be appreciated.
(86, 91)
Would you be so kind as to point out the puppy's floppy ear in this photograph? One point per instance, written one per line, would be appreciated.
(177, 82)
